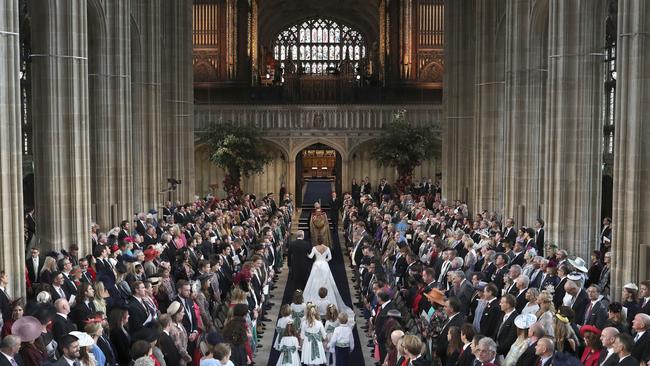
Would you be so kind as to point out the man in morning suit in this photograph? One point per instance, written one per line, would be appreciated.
(623, 347)
(507, 331)
(9, 348)
(170, 351)
(641, 347)
(492, 313)
(545, 350)
(299, 263)
(34, 265)
(454, 319)
(380, 318)
(579, 300)
(61, 325)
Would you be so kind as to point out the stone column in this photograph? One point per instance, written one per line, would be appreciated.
(177, 97)
(12, 257)
(487, 161)
(574, 124)
(111, 134)
(631, 216)
(146, 85)
(458, 98)
(526, 57)
(60, 119)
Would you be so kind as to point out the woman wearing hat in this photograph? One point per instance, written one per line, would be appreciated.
(630, 301)
(431, 325)
(593, 345)
(522, 322)
(177, 331)
(29, 329)
(565, 336)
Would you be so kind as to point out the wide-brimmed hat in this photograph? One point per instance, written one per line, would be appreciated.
(27, 328)
(85, 339)
(525, 321)
(579, 264)
(436, 296)
(174, 308)
(589, 328)
(395, 313)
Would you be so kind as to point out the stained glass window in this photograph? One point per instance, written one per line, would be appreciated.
(319, 45)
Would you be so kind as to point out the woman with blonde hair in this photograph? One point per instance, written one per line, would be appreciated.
(177, 331)
(101, 294)
(49, 267)
(312, 334)
(331, 322)
(523, 322)
(95, 330)
(566, 339)
(546, 313)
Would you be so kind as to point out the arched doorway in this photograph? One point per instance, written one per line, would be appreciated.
(317, 163)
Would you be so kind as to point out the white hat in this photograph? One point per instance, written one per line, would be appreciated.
(575, 276)
(631, 286)
(85, 340)
(525, 321)
(579, 264)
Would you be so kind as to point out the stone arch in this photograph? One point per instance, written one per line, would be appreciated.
(278, 145)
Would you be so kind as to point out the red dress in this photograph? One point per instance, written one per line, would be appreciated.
(590, 357)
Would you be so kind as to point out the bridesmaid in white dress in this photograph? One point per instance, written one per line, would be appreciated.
(297, 309)
(285, 313)
(331, 322)
(288, 347)
(312, 333)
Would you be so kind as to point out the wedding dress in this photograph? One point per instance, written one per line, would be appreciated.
(321, 276)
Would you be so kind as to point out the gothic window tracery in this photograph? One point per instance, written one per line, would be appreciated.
(320, 46)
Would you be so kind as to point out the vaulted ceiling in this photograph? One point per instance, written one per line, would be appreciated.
(276, 15)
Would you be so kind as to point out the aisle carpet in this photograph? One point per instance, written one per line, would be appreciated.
(337, 265)
(315, 191)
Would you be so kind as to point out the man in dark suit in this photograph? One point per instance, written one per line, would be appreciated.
(466, 357)
(9, 347)
(596, 313)
(34, 265)
(545, 350)
(623, 346)
(299, 263)
(58, 290)
(364, 238)
(5, 300)
(385, 305)
(139, 311)
(335, 208)
(641, 347)
(454, 319)
(170, 351)
(607, 356)
(461, 289)
(579, 300)
(507, 331)
(501, 262)
(559, 293)
(492, 313)
(509, 231)
(522, 287)
(190, 322)
(61, 325)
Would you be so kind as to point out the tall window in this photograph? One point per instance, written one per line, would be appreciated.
(320, 46)
(610, 89)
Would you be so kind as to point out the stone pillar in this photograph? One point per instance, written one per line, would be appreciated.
(60, 119)
(574, 124)
(12, 257)
(458, 98)
(526, 57)
(487, 160)
(631, 229)
(146, 85)
(110, 112)
(177, 97)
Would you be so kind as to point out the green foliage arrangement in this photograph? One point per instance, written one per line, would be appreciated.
(236, 149)
(404, 146)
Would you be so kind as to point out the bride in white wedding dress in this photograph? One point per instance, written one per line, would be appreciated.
(321, 276)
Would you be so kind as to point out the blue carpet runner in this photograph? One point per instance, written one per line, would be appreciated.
(315, 191)
(337, 265)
